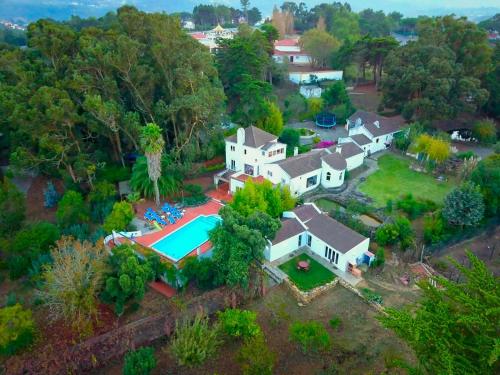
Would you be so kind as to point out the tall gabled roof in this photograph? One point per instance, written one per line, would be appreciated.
(386, 125)
(289, 228)
(302, 163)
(254, 137)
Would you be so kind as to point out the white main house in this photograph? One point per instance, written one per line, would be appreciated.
(254, 153)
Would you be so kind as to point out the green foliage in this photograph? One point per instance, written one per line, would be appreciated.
(238, 243)
(311, 336)
(194, 342)
(120, 217)
(71, 209)
(336, 94)
(263, 197)
(239, 324)
(291, 137)
(348, 220)
(200, 270)
(12, 208)
(464, 205)
(414, 207)
(113, 173)
(335, 322)
(485, 131)
(295, 105)
(169, 182)
(273, 121)
(379, 258)
(399, 232)
(372, 296)
(487, 177)
(314, 106)
(435, 228)
(128, 278)
(320, 46)
(434, 148)
(50, 195)
(101, 200)
(139, 362)
(17, 329)
(29, 244)
(255, 357)
(454, 327)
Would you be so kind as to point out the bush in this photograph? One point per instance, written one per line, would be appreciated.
(413, 207)
(347, 219)
(239, 323)
(311, 336)
(464, 205)
(194, 342)
(336, 94)
(434, 228)
(50, 195)
(255, 357)
(101, 200)
(379, 258)
(372, 296)
(357, 207)
(139, 362)
(485, 131)
(200, 270)
(71, 209)
(291, 138)
(388, 206)
(193, 189)
(12, 208)
(334, 322)
(120, 217)
(466, 155)
(114, 173)
(399, 232)
(17, 329)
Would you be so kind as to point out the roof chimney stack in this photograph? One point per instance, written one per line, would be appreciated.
(295, 151)
(377, 124)
(240, 136)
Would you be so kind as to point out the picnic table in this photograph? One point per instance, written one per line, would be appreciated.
(303, 265)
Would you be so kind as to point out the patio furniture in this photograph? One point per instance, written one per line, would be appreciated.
(303, 265)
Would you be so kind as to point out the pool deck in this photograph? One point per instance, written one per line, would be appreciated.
(212, 207)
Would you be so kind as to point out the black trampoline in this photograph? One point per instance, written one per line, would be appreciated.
(326, 120)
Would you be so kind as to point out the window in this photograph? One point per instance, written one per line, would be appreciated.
(233, 164)
(328, 176)
(233, 148)
(311, 181)
(245, 151)
(376, 140)
(269, 154)
(336, 258)
(329, 253)
(309, 239)
(300, 240)
(274, 152)
(326, 251)
(249, 169)
(270, 174)
(340, 176)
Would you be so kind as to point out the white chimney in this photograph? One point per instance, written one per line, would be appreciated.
(240, 136)
(338, 149)
(295, 151)
(377, 124)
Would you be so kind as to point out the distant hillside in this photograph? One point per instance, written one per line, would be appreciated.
(492, 23)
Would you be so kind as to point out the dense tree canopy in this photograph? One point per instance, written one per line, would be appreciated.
(74, 93)
(320, 45)
(487, 177)
(454, 328)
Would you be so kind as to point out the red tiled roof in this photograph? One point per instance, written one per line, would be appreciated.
(245, 177)
(287, 42)
(198, 35)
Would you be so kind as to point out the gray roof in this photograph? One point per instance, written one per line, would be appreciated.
(335, 161)
(333, 233)
(306, 212)
(302, 164)
(387, 125)
(347, 149)
(361, 139)
(268, 145)
(289, 228)
(254, 137)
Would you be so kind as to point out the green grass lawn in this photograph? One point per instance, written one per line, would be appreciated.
(326, 204)
(394, 179)
(307, 280)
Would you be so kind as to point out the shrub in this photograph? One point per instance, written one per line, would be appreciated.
(434, 228)
(336, 94)
(399, 232)
(466, 155)
(139, 362)
(101, 200)
(357, 207)
(255, 357)
(311, 336)
(464, 205)
(314, 106)
(239, 323)
(372, 296)
(71, 209)
(291, 138)
(120, 217)
(485, 131)
(200, 270)
(334, 322)
(114, 173)
(194, 342)
(413, 207)
(379, 257)
(388, 206)
(12, 208)
(50, 195)
(17, 329)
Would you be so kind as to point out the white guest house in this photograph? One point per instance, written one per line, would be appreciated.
(307, 226)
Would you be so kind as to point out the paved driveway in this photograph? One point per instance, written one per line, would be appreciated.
(332, 134)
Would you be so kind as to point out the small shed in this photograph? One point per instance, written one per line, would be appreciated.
(310, 91)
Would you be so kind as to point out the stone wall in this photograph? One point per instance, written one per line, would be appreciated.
(356, 291)
(306, 297)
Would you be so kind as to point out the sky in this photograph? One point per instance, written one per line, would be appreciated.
(60, 9)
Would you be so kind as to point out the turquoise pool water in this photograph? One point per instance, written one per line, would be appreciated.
(178, 244)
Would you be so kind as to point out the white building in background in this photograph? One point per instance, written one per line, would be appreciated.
(310, 91)
(307, 226)
(208, 38)
(289, 51)
(313, 75)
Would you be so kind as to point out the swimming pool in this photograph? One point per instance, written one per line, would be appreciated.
(187, 238)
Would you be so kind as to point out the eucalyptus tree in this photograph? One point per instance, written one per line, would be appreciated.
(153, 144)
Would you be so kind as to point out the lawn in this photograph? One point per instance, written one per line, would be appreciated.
(394, 179)
(327, 205)
(307, 280)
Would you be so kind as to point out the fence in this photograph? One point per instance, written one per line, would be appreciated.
(98, 351)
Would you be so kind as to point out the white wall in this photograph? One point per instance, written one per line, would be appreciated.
(336, 177)
(310, 92)
(318, 246)
(298, 184)
(295, 48)
(355, 161)
(275, 174)
(298, 77)
(284, 247)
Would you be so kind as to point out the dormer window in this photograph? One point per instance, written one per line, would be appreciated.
(328, 176)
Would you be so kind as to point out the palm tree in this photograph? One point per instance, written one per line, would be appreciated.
(152, 144)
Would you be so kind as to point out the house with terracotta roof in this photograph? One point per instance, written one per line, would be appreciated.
(307, 226)
(289, 50)
(372, 132)
(209, 38)
(255, 154)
